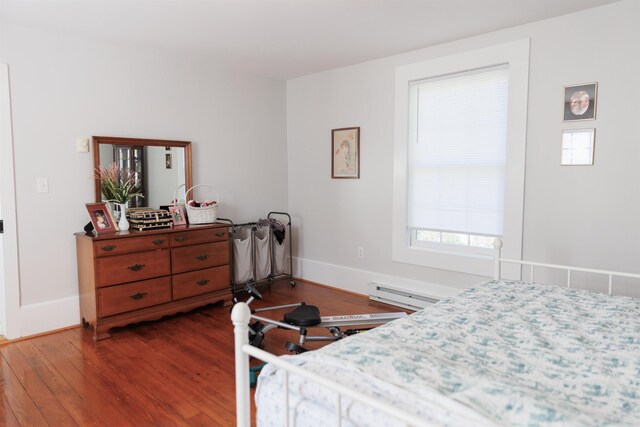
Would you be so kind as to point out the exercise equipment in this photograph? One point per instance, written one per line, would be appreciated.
(306, 316)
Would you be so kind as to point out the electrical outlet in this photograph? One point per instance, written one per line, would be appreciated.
(43, 185)
(360, 252)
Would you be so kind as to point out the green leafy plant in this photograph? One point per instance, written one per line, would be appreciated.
(117, 185)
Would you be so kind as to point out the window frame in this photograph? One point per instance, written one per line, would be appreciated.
(516, 55)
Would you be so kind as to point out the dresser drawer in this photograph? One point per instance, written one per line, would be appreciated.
(133, 296)
(132, 244)
(201, 281)
(198, 257)
(199, 236)
(132, 267)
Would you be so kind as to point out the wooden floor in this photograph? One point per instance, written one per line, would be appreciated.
(176, 371)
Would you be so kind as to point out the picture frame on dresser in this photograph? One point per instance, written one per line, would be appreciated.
(102, 218)
(178, 215)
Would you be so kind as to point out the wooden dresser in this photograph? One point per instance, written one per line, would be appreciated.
(127, 277)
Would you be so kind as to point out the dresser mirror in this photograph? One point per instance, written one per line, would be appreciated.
(159, 166)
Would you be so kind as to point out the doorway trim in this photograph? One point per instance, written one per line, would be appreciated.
(10, 282)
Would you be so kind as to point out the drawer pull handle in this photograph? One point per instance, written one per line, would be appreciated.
(202, 282)
(202, 257)
(158, 242)
(181, 239)
(136, 267)
(138, 295)
(220, 233)
(108, 248)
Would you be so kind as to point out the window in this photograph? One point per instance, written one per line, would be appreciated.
(459, 158)
(457, 155)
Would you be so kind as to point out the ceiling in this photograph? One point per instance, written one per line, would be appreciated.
(283, 39)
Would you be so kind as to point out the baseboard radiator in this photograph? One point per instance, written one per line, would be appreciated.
(399, 296)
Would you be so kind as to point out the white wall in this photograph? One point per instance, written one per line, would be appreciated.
(578, 215)
(64, 88)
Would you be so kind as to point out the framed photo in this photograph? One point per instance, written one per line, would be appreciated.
(102, 218)
(177, 215)
(167, 161)
(345, 153)
(578, 147)
(580, 102)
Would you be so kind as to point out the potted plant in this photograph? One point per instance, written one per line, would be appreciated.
(118, 186)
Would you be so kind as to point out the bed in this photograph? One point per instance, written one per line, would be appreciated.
(501, 353)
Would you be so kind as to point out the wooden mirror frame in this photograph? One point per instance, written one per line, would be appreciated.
(97, 140)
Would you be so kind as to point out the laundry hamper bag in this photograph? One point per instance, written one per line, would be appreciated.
(278, 255)
(242, 265)
(203, 214)
(263, 252)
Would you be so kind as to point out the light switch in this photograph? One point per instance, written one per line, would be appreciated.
(82, 145)
(43, 185)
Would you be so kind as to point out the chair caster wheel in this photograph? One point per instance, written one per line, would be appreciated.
(295, 348)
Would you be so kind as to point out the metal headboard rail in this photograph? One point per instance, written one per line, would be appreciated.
(498, 260)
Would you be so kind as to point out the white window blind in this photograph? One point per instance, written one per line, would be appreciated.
(457, 152)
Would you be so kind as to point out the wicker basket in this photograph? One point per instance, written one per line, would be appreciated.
(202, 215)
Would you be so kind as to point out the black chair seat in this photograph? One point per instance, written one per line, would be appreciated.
(304, 315)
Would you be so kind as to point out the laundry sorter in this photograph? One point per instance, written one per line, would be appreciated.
(259, 251)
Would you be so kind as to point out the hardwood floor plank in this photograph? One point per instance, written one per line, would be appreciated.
(27, 372)
(103, 398)
(156, 378)
(182, 377)
(201, 420)
(199, 361)
(105, 373)
(7, 418)
(60, 388)
(24, 409)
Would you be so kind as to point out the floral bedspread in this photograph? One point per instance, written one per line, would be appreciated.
(503, 353)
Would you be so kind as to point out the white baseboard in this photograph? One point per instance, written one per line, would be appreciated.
(49, 316)
(356, 280)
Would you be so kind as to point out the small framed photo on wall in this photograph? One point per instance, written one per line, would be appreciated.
(578, 147)
(345, 153)
(101, 218)
(580, 102)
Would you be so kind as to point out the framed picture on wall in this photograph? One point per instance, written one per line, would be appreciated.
(345, 153)
(580, 102)
(101, 218)
(578, 147)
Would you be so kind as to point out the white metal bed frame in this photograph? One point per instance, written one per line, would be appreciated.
(241, 316)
